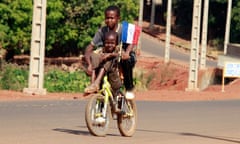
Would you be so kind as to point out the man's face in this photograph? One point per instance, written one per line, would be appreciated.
(111, 19)
(110, 44)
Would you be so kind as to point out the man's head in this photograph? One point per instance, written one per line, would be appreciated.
(111, 41)
(112, 17)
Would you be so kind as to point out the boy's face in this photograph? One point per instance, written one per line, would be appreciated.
(111, 19)
(110, 44)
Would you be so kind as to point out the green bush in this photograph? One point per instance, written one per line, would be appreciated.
(13, 77)
(61, 81)
(217, 43)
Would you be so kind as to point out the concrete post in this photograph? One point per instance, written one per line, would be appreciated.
(140, 20)
(228, 25)
(36, 73)
(193, 69)
(168, 32)
(152, 19)
(204, 35)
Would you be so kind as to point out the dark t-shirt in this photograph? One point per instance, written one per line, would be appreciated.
(127, 65)
(98, 39)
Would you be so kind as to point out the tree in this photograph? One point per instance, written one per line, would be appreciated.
(235, 23)
(15, 26)
(80, 22)
(70, 24)
(216, 23)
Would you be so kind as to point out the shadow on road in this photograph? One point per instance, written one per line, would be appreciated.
(227, 139)
(77, 132)
(86, 133)
(70, 131)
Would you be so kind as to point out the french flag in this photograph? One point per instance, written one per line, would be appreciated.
(130, 33)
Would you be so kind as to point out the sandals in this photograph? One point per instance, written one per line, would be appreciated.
(91, 88)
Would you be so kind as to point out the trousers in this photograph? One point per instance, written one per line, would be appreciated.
(111, 69)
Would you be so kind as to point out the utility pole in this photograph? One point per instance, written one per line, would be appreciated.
(228, 25)
(204, 35)
(193, 70)
(140, 19)
(0, 62)
(36, 74)
(152, 19)
(1, 57)
(168, 32)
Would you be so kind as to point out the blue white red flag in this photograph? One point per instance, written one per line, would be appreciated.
(130, 33)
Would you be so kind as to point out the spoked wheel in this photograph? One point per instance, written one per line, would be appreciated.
(127, 120)
(94, 110)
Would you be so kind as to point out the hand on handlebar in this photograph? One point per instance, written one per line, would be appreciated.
(125, 55)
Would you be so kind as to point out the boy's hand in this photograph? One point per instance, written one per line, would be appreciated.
(106, 56)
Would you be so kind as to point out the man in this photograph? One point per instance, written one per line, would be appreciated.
(112, 18)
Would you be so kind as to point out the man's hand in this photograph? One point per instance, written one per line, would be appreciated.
(89, 70)
(125, 55)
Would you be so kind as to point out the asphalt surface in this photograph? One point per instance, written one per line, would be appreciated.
(62, 122)
(152, 46)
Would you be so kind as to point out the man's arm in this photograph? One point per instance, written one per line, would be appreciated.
(87, 54)
(96, 41)
(125, 54)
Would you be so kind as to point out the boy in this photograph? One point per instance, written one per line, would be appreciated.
(112, 18)
(105, 62)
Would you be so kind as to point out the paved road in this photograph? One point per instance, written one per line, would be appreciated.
(62, 122)
(157, 48)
